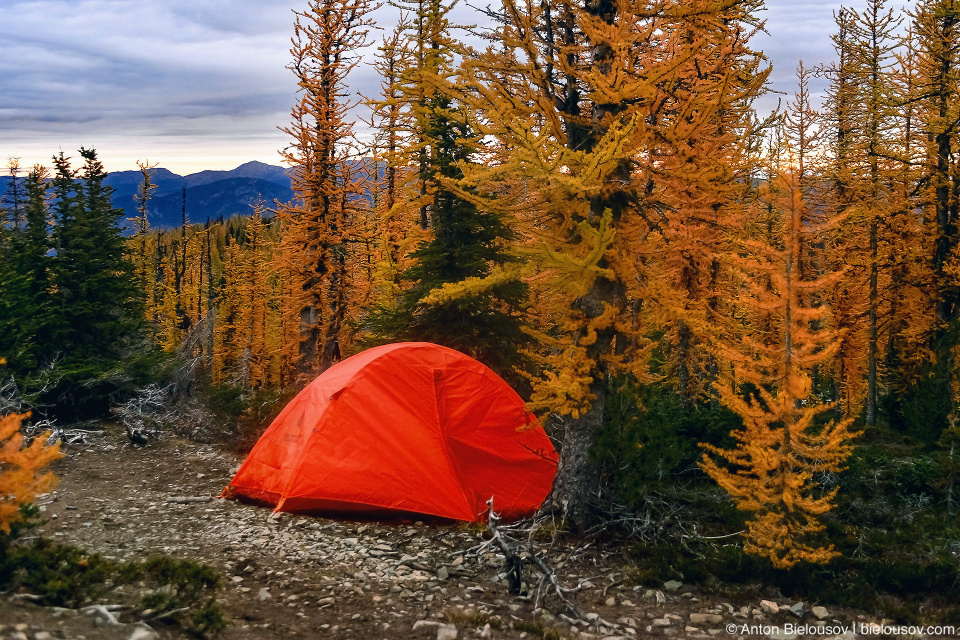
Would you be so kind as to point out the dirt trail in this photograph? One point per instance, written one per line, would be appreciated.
(297, 576)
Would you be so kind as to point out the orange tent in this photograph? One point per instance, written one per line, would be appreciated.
(409, 428)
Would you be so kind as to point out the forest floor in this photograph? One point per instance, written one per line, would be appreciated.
(287, 576)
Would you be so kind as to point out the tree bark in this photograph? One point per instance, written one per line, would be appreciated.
(577, 485)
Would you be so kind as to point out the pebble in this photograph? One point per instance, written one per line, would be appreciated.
(821, 613)
(705, 618)
(672, 585)
(427, 624)
(768, 606)
(447, 632)
(142, 631)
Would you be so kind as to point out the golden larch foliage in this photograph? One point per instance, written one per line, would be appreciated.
(318, 228)
(21, 475)
(771, 471)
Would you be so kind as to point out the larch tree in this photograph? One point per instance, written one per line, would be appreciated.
(936, 30)
(141, 230)
(317, 225)
(774, 340)
(585, 102)
(392, 122)
(770, 473)
(867, 115)
(22, 474)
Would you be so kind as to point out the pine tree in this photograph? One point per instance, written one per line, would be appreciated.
(95, 296)
(466, 242)
(26, 305)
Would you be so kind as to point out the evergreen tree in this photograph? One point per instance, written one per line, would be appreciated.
(14, 199)
(96, 302)
(466, 243)
(25, 313)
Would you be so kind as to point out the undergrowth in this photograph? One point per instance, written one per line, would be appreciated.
(179, 591)
(893, 525)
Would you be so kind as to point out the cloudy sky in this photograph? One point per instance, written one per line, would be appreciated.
(202, 84)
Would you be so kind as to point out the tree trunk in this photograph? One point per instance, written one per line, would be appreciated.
(577, 485)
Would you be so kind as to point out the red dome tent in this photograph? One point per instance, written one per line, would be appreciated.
(400, 429)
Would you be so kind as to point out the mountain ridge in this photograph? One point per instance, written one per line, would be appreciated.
(210, 194)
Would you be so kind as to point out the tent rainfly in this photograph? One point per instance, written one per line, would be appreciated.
(398, 430)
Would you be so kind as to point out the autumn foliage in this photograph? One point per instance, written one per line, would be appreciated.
(771, 472)
(593, 194)
(21, 469)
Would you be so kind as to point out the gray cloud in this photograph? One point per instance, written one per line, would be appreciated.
(204, 82)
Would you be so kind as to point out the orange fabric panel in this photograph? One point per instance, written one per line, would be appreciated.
(401, 428)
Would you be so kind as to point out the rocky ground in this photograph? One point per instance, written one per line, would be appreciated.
(305, 577)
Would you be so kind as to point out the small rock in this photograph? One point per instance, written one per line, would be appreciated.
(782, 634)
(443, 573)
(264, 594)
(485, 633)
(659, 597)
(672, 585)
(143, 631)
(18, 635)
(798, 609)
(705, 618)
(447, 632)
(611, 602)
(820, 612)
(43, 635)
(426, 624)
(769, 606)
(662, 622)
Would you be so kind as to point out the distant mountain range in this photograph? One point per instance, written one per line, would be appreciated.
(209, 194)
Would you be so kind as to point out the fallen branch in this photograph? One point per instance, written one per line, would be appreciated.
(516, 550)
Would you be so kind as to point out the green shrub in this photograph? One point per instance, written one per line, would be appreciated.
(180, 590)
(650, 438)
